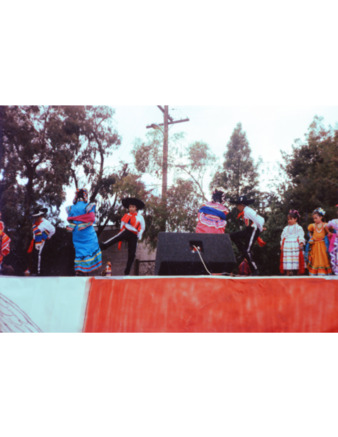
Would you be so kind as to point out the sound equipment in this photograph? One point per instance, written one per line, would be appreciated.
(176, 254)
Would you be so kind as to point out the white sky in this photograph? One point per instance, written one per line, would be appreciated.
(269, 129)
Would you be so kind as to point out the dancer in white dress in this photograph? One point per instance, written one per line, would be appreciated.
(292, 243)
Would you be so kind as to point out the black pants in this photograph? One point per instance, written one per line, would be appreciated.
(131, 238)
(37, 264)
(244, 240)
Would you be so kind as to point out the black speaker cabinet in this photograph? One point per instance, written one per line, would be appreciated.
(176, 254)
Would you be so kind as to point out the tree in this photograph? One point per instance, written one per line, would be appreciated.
(180, 214)
(239, 175)
(97, 140)
(267, 257)
(46, 148)
(196, 161)
(92, 160)
(126, 184)
(148, 154)
(312, 171)
(188, 165)
(36, 153)
(192, 161)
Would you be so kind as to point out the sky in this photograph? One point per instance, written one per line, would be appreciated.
(269, 129)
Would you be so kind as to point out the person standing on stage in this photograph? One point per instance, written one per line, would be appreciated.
(332, 228)
(43, 231)
(81, 217)
(4, 243)
(212, 215)
(292, 243)
(245, 239)
(318, 258)
(131, 230)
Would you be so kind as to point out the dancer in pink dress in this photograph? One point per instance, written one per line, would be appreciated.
(212, 215)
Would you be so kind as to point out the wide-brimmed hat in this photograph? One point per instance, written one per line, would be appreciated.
(242, 200)
(132, 201)
(38, 212)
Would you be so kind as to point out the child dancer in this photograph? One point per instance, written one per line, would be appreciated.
(132, 228)
(43, 231)
(81, 218)
(4, 243)
(292, 243)
(245, 239)
(212, 215)
(332, 228)
(318, 262)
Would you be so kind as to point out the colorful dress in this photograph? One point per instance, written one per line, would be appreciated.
(291, 253)
(88, 256)
(318, 263)
(42, 231)
(333, 249)
(212, 218)
(4, 243)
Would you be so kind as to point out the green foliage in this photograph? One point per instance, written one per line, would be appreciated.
(312, 172)
(183, 205)
(148, 154)
(187, 168)
(267, 257)
(125, 184)
(239, 175)
(180, 214)
(96, 142)
(155, 216)
(47, 148)
(36, 160)
(35, 166)
(196, 161)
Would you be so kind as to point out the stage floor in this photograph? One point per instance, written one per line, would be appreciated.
(169, 304)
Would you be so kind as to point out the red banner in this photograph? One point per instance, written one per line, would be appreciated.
(203, 304)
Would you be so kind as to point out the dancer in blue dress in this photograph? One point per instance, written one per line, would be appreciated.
(81, 217)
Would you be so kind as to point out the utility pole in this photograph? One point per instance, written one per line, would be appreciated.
(165, 155)
(167, 119)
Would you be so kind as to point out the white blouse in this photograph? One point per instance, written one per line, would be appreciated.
(293, 232)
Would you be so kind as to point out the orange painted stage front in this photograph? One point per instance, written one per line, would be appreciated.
(212, 304)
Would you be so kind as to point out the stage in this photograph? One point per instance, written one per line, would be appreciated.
(169, 304)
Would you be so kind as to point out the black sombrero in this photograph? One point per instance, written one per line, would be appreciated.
(132, 201)
(242, 200)
(39, 212)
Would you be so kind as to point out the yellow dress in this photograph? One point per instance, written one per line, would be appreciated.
(319, 263)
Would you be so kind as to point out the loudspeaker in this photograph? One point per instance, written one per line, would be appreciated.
(176, 254)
